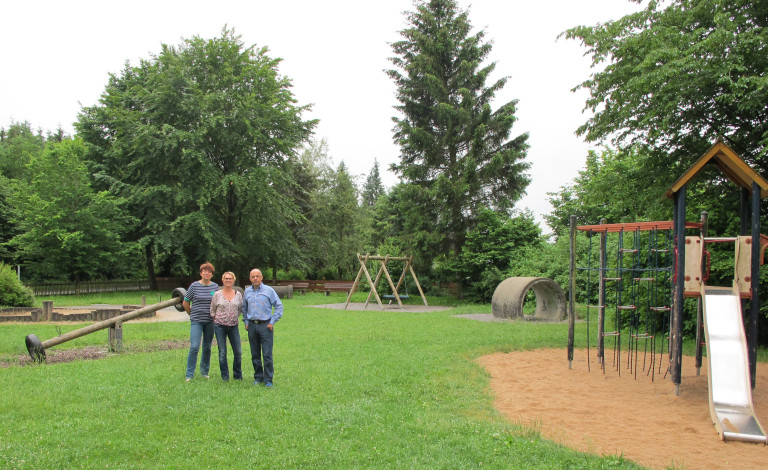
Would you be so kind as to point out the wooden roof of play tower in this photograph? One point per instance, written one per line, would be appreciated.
(732, 166)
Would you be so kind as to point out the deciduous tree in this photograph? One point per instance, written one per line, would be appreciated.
(678, 74)
(493, 247)
(18, 144)
(67, 229)
(617, 186)
(196, 139)
(7, 228)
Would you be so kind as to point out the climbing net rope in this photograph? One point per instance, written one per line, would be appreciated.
(629, 285)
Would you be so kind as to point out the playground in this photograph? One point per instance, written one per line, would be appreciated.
(610, 415)
(677, 412)
(695, 413)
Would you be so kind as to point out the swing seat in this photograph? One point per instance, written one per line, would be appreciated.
(392, 297)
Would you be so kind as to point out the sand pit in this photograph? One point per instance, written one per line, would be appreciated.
(612, 415)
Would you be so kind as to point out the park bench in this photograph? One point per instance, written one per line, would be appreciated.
(302, 287)
(315, 286)
(338, 286)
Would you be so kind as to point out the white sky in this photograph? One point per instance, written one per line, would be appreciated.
(57, 55)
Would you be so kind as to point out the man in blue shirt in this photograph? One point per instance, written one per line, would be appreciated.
(261, 310)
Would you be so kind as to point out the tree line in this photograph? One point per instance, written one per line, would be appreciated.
(201, 153)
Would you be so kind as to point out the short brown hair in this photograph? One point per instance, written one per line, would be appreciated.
(207, 267)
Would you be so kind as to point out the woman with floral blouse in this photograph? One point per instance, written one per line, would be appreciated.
(225, 310)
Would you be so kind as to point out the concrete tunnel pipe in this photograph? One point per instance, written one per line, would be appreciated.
(509, 297)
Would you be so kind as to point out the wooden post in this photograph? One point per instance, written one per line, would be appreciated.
(383, 261)
(676, 335)
(699, 303)
(402, 276)
(571, 293)
(744, 209)
(115, 337)
(601, 297)
(416, 281)
(357, 278)
(391, 284)
(47, 312)
(754, 306)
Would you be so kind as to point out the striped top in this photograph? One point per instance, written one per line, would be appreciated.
(200, 297)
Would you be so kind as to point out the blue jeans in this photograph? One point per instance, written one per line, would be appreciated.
(196, 331)
(260, 339)
(233, 333)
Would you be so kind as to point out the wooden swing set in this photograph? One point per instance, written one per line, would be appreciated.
(383, 261)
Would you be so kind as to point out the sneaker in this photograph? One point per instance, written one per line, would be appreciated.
(189, 380)
(206, 377)
(257, 382)
(268, 384)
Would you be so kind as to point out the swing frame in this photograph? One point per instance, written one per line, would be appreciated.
(383, 261)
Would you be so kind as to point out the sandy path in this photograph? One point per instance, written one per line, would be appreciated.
(612, 415)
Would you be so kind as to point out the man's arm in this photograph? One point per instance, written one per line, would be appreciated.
(244, 308)
(278, 308)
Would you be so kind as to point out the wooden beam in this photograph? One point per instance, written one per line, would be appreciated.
(634, 226)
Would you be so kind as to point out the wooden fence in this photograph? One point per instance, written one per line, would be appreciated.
(170, 283)
(313, 286)
(86, 287)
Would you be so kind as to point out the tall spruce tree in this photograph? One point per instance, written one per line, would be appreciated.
(456, 151)
(373, 188)
(373, 194)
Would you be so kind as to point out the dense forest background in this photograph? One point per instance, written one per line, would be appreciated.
(200, 153)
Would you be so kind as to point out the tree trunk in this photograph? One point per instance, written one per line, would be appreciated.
(150, 267)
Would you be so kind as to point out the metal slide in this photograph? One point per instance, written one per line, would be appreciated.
(730, 387)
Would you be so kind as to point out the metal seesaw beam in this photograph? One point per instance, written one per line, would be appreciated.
(36, 348)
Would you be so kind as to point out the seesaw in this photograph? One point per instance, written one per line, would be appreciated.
(36, 348)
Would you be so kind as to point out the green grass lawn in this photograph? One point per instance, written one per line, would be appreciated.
(353, 389)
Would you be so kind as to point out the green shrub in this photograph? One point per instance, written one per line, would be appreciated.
(294, 273)
(12, 292)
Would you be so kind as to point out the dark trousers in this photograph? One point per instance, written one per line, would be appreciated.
(260, 338)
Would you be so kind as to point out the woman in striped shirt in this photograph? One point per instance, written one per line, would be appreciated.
(197, 303)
